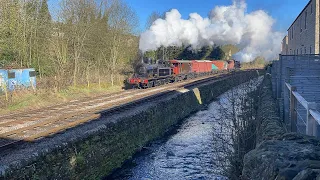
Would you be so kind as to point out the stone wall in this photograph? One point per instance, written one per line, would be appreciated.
(107, 147)
(280, 155)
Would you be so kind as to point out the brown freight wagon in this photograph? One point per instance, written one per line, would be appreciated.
(231, 64)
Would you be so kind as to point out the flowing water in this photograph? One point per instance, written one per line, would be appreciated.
(189, 153)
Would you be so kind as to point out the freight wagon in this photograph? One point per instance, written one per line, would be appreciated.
(231, 64)
(222, 65)
(150, 75)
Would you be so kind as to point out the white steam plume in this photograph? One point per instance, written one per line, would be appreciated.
(251, 32)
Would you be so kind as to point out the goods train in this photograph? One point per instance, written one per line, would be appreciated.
(164, 72)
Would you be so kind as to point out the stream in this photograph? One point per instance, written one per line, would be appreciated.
(191, 151)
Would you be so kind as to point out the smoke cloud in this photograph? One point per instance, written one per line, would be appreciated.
(251, 32)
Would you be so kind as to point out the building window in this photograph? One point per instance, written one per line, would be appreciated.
(301, 51)
(310, 49)
(305, 20)
(289, 34)
(300, 25)
(32, 74)
(11, 75)
(305, 50)
(311, 8)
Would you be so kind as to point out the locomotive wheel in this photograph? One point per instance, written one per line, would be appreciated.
(158, 83)
(150, 84)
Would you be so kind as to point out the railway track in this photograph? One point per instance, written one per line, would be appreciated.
(29, 127)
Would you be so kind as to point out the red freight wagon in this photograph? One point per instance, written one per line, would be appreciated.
(208, 66)
(222, 65)
(201, 66)
(231, 64)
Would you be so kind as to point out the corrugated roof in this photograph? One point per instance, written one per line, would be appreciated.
(202, 61)
(181, 61)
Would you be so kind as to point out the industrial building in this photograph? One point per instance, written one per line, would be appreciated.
(303, 34)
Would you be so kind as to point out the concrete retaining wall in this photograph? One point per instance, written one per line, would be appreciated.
(107, 147)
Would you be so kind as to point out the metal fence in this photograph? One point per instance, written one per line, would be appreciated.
(296, 86)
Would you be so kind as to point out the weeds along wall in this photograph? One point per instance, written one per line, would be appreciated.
(98, 154)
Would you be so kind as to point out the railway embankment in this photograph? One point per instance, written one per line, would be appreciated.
(95, 149)
(278, 154)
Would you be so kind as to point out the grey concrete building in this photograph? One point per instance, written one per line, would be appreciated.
(303, 34)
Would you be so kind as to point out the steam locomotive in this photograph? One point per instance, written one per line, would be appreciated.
(149, 75)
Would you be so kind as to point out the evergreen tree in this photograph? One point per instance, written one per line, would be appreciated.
(44, 14)
(44, 33)
(217, 54)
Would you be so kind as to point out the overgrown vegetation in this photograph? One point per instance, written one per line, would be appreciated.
(235, 133)
(258, 63)
(88, 43)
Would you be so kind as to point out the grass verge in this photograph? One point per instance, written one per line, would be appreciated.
(29, 100)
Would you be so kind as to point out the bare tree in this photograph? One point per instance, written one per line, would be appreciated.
(234, 132)
(122, 20)
(152, 18)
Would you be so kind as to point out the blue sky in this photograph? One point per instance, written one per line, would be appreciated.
(283, 11)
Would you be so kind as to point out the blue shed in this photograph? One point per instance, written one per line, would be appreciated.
(14, 79)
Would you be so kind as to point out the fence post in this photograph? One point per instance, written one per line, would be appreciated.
(279, 77)
(286, 98)
(316, 129)
(311, 122)
(293, 110)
